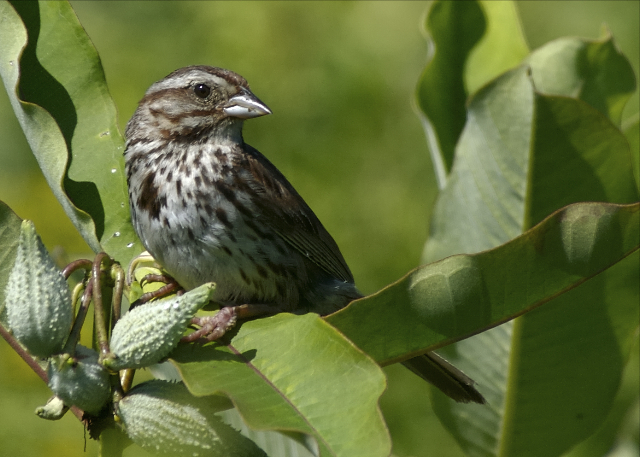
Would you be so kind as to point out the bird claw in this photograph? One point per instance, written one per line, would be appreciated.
(212, 327)
(170, 287)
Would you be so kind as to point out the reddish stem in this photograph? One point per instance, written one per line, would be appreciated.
(33, 364)
(118, 277)
(76, 265)
(74, 336)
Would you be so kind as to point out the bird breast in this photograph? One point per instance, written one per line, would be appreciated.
(198, 234)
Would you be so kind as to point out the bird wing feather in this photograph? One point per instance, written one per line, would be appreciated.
(294, 220)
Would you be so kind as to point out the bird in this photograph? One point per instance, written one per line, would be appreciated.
(211, 208)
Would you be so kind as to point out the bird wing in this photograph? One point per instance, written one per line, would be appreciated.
(292, 219)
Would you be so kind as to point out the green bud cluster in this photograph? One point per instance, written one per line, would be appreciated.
(39, 314)
(160, 416)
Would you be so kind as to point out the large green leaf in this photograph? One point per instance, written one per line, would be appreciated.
(485, 193)
(632, 132)
(56, 85)
(470, 43)
(618, 435)
(550, 376)
(593, 71)
(309, 379)
(441, 94)
(502, 47)
(522, 156)
(459, 296)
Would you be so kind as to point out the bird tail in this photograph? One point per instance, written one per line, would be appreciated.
(450, 380)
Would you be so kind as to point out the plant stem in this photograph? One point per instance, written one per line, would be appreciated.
(99, 317)
(76, 265)
(74, 336)
(118, 276)
(33, 364)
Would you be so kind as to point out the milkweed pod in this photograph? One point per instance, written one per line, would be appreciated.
(148, 333)
(38, 301)
(165, 419)
(80, 380)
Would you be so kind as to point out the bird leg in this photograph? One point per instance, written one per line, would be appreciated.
(214, 327)
(170, 286)
(158, 278)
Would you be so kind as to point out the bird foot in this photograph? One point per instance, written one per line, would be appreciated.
(214, 327)
(171, 285)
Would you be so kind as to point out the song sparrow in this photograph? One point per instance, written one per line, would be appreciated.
(210, 208)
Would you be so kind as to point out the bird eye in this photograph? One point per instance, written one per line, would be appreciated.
(202, 90)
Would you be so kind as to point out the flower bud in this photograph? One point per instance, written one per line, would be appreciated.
(80, 380)
(164, 418)
(38, 302)
(148, 333)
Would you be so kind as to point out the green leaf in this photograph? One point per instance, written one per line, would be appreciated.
(57, 88)
(9, 239)
(470, 44)
(632, 132)
(502, 47)
(620, 428)
(579, 156)
(484, 189)
(309, 379)
(459, 296)
(550, 376)
(522, 156)
(453, 29)
(593, 71)
(274, 443)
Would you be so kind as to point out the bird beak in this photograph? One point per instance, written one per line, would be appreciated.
(245, 105)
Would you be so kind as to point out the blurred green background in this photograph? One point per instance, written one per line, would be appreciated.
(339, 78)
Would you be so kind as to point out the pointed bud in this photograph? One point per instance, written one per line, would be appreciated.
(164, 418)
(80, 380)
(148, 333)
(38, 302)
